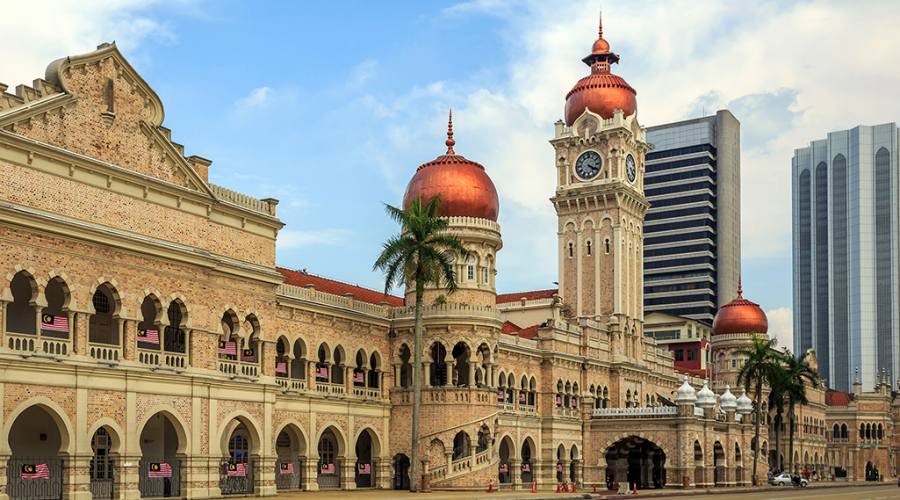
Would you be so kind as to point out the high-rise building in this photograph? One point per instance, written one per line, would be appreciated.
(692, 232)
(845, 253)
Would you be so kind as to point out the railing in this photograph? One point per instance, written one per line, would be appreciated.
(24, 478)
(508, 407)
(291, 384)
(331, 299)
(151, 357)
(237, 368)
(461, 465)
(159, 477)
(327, 388)
(105, 352)
(565, 411)
(241, 199)
(236, 478)
(528, 409)
(437, 473)
(448, 310)
(367, 392)
(31, 344)
(288, 474)
(656, 411)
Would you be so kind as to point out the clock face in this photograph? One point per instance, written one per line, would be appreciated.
(630, 168)
(588, 165)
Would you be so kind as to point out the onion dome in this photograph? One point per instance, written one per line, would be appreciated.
(463, 186)
(686, 393)
(740, 316)
(706, 398)
(744, 404)
(727, 401)
(601, 92)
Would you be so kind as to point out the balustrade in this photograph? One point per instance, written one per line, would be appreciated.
(31, 344)
(151, 357)
(105, 352)
(328, 388)
(656, 411)
(237, 368)
(291, 384)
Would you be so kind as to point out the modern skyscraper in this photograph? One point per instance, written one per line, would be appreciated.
(845, 253)
(692, 233)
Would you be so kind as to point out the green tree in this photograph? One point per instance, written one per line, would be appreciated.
(778, 386)
(421, 255)
(760, 361)
(798, 375)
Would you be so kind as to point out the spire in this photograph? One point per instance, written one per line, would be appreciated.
(740, 287)
(600, 27)
(450, 142)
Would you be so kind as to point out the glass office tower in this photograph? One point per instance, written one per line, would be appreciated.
(845, 239)
(692, 232)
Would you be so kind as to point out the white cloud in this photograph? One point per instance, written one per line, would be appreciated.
(363, 72)
(257, 98)
(781, 326)
(295, 238)
(37, 33)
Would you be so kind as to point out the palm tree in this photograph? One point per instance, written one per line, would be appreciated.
(778, 386)
(798, 373)
(422, 254)
(760, 359)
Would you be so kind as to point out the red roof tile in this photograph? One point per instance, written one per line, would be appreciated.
(529, 333)
(510, 328)
(532, 295)
(303, 279)
(837, 398)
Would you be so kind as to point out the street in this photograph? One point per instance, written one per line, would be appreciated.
(888, 491)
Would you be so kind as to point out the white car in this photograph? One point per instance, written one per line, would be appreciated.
(784, 479)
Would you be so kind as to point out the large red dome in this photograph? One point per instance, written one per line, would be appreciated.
(601, 92)
(740, 316)
(465, 189)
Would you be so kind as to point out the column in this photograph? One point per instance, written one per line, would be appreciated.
(471, 374)
(3, 345)
(451, 368)
(348, 479)
(515, 472)
(81, 333)
(579, 299)
(617, 248)
(309, 479)
(426, 369)
(348, 379)
(311, 375)
(129, 348)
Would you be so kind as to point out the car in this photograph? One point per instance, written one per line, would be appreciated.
(784, 479)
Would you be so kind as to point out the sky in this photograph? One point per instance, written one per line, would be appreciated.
(330, 106)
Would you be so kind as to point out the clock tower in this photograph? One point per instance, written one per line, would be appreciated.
(600, 201)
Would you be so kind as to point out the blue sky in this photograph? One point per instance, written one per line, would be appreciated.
(330, 107)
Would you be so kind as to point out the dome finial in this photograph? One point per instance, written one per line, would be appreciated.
(450, 142)
(740, 287)
(600, 27)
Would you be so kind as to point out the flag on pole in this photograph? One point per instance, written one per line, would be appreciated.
(359, 378)
(365, 468)
(236, 469)
(228, 347)
(281, 367)
(248, 355)
(322, 373)
(327, 468)
(501, 396)
(159, 469)
(55, 323)
(148, 336)
(286, 468)
(35, 471)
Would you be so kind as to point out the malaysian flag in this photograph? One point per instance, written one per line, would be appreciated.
(322, 373)
(359, 378)
(159, 469)
(558, 400)
(149, 336)
(574, 402)
(281, 367)
(55, 323)
(327, 468)
(236, 469)
(248, 355)
(286, 468)
(501, 396)
(504, 468)
(522, 398)
(228, 347)
(365, 468)
(35, 471)
(526, 467)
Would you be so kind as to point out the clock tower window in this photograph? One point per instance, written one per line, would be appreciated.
(588, 247)
(571, 249)
(606, 243)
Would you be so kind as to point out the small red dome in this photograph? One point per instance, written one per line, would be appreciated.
(464, 187)
(601, 92)
(740, 316)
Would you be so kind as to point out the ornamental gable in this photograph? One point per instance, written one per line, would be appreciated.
(98, 106)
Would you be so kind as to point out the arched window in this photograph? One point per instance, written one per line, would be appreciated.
(55, 317)
(461, 445)
(571, 249)
(337, 372)
(174, 334)
(323, 366)
(588, 247)
(103, 326)
(438, 375)
(470, 269)
(405, 367)
(880, 434)
(606, 244)
(21, 315)
(374, 371)
(844, 433)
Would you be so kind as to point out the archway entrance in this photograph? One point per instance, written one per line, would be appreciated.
(290, 448)
(366, 451)
(160, 467)
(527, 454)
(718, 464)
(401, 472)
(103, 463)
(35, 468)
(329, 470)
(637, 461)
(506, 453)
(236, 474)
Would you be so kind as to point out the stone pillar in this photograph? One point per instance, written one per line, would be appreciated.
(515, 472)
(128, 470)
(451, 368)
(348, 479)
(81, 333)
(383, 474)
(309, 479)
(348, 379)
(3, 345)
(264, 475)
(129, 347)
(426, 369)
(471, 380)
(311, 378)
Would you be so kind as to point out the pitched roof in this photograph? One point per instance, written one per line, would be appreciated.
(304, 279)
(511, 328)
(837, 398)
(532, 295)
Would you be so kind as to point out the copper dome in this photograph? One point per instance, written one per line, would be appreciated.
(602, 92)
(463, 186)
(740, 316)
